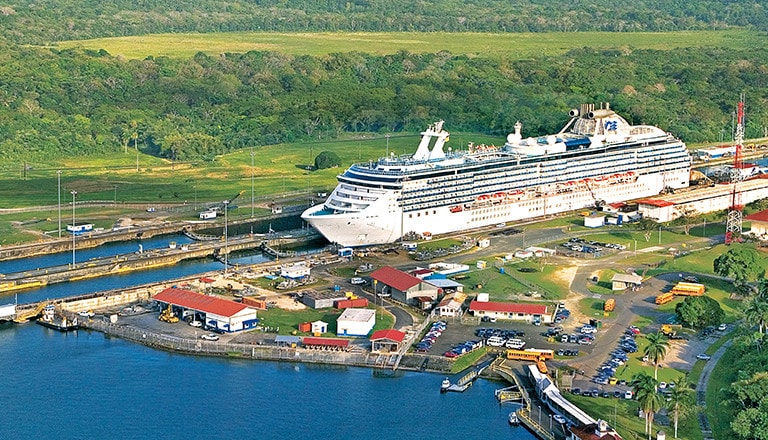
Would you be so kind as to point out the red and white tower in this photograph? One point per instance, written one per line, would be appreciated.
(735, 211)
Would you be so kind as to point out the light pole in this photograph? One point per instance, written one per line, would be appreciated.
(58, 177)
(74, 193)
(539, 407)
(252, 208)
(387, 136)
(195, 188)
(226, 238)
(635, 247)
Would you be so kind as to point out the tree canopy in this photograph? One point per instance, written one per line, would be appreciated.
(327, 159)
(740, 263)
(699, 312)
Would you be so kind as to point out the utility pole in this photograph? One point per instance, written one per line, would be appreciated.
(58, 176)
(74, 193)
(252, 194)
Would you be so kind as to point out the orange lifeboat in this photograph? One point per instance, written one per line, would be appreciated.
(456, 209)
(483, 198)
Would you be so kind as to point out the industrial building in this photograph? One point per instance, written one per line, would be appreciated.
(322, 300)
(715, 198)
(403, 287)
(355, 322)
(759, 226)
(624, 281)
(450, 305)
(217, 313)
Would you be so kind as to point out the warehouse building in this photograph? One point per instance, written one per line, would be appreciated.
(533, 313)
(387, 341)
(403, 287)
(355, 322)
(217, 313)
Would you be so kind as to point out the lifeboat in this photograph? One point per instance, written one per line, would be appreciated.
(483, 198)
(515, 193)
(456, 209)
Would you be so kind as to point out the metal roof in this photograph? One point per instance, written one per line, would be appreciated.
(328, 342)
(395, 278)
(505, 307)
(391, 334)
(201, 303)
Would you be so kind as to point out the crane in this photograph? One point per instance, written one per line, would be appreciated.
(733, 222)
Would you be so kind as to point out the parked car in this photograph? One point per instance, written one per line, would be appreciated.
(210, 337)
(703, 357)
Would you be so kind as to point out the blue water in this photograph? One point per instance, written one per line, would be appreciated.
(183, 268)
(85, 386)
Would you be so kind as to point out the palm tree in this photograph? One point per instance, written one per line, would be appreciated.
(647, 395)
(680, 399)
(656, 350)
(756, 312)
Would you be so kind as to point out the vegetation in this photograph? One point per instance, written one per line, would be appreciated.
(681, 400)
(699, 312)
(327, 159)
(656, 350)
(740, 263)
(648, 397)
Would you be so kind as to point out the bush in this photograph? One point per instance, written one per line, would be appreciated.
(327, 159)
(699, 312)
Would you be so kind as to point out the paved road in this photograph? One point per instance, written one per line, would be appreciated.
(701, 389)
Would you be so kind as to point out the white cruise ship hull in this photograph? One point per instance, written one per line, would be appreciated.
(601, 159)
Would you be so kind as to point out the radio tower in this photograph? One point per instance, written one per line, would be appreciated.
(735, 214)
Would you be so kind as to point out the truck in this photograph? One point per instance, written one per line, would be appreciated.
(207, 215)
(609, 305)
(670, 330)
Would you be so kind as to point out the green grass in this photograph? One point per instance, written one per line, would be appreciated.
(508, 45)
(467, 360)
(288, 321)
(719, 413)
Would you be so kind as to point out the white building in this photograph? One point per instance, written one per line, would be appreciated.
(355, 322)
(450, 305)
(294, 271)
(513, 311)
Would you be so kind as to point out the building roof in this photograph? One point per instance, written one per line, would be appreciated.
(761, 216)
(421, 272)
(201, 303)
(505, 307)
(443, 283)
(455, 300)
(395, 278)
(391, 334)
(287, 339)
(627, 278)
(655, 202)
(357, 315)
(327, 342)
(589, 432)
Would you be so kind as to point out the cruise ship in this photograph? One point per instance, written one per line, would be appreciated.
(597, 158)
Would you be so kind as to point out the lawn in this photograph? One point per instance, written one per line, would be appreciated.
(288, 321)
(513, 46)
(501, 286)
(718, 413)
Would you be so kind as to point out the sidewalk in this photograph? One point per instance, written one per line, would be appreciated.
(701, 390)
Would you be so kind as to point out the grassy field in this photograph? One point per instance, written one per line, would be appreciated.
(288, 321)
(509, 46)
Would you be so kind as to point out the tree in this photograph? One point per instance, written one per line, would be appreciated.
(699, 312)
(680, 399)
(656, 350)
(686, 218)
(646, 226)
(647, 395)
(327, 159)
(756, 312)
(740, 263)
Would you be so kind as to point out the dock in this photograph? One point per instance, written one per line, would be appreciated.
(466, 380)
(518, 394)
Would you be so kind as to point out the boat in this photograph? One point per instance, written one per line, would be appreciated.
(379, 202)
(57, 322)
(513, 419)
(445, 385)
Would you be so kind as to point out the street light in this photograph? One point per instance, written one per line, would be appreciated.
(226, 238)
(74, 193)
(252, 207)
(58, 176)
(635, 247)
(539, 407)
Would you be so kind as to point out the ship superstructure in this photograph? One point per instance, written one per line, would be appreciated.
(597, 158)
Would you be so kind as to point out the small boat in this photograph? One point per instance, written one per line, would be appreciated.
(445, 385)
(513, 420)
(456, 209)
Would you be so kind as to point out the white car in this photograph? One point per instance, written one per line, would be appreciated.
(588, 329)
(662, 385)
(210, 337)
(559, 419)
(703, 357)
(722, 327)
(196, 324)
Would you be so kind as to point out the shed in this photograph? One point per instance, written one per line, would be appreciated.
(386, 341)
(451, 304)
(355, 322)
(218, 313)
(80, 229)
(287, 341)
(319, 327)
(483, 242)
(624, 281)
(594, 220)
(325, 343)
(402, 286)
(295, 271)
(322, 300)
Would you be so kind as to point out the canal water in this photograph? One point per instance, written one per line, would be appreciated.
(84, 385)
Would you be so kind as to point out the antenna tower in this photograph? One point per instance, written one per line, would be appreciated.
(735, 211)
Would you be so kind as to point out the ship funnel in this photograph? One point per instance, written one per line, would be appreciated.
(573, 113)
(602, 113)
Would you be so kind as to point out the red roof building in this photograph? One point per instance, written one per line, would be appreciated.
(218, 313)
(594, 431)
(513, 311)
(402, 286)
(386, 341)
(325, 343)
(759, 226)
